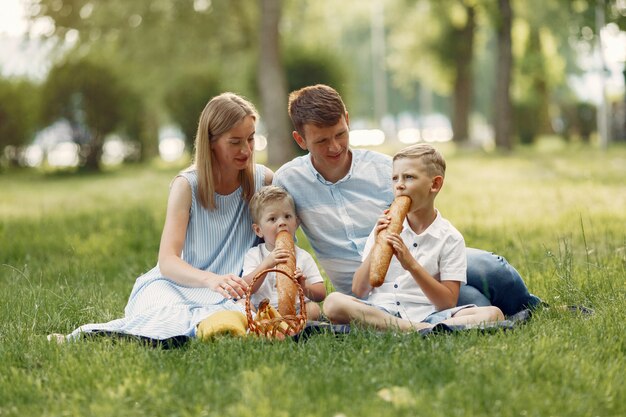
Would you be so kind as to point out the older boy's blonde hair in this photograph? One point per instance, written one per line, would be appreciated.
(431, 158)
(221, 114)
(266, 195)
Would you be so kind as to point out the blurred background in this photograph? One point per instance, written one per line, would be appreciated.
(86, 84)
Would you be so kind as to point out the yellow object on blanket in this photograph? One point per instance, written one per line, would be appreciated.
(222, 323)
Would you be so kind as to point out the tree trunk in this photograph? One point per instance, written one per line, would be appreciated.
(503, 108)
(463, 82)
(93, 152)
(273, 86)
(149, 136)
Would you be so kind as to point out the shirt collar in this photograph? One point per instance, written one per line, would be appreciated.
(435, 229)
(264, 251)
(321, 178)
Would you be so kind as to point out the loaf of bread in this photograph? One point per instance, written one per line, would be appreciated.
(287, 290)
(382, 251)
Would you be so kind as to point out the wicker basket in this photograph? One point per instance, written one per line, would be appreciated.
(279, 327)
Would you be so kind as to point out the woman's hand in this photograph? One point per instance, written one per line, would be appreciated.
(230, 286)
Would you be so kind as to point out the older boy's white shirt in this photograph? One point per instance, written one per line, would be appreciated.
(255, 256)
(440, 249)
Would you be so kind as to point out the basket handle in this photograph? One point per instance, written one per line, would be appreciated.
(290, 276)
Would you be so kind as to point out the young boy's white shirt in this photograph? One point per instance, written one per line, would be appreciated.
(255, 256)
(440, 249)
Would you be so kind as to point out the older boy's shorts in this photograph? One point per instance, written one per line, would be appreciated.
(439, 316)
(433, 318)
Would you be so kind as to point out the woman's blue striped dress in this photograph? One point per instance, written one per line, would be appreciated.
(216, 241)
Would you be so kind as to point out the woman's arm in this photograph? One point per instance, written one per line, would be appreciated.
(172, 242)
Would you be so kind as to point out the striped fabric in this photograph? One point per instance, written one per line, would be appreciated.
(216, 241)
(338, 217)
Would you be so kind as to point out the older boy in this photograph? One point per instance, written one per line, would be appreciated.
(422, 285)
(339, 192)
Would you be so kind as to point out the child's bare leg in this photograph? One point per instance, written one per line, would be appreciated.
(343, 309)
(313, 311)
(476, 315)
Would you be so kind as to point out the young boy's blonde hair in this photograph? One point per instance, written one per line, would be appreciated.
(430, 157)
(266, 195)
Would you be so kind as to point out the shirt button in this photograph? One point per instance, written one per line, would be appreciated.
(415, 245)
(395, 285)
(397, 302)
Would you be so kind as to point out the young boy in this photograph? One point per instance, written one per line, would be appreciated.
(273, 210)
(429, 265)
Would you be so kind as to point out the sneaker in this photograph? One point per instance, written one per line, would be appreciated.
(57, 338)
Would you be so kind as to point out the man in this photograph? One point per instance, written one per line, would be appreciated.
(340, 193)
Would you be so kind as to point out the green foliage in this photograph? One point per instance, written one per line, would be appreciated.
(313, 66)
(305, 66)
(188, 96)
(583, 15)
(19, 112)
(88, 95)
(70, 250)
(94, 101)
(420, 58)
(154, 43)
(579, 120)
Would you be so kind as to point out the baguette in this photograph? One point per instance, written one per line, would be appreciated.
(382, 251)
(287, 290)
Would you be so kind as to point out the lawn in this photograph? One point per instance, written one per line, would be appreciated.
(71, 247)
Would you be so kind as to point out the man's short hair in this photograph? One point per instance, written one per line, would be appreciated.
(319, 105)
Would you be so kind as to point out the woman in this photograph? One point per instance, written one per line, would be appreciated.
(207, 231)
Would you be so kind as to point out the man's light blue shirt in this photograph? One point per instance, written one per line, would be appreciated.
(338, 217)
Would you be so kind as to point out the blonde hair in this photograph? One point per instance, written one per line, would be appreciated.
(266, 195)
(430, 157)
(221, 114)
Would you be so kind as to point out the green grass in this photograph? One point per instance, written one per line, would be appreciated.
(72, 246)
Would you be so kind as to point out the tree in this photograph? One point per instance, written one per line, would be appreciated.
(156, 43)
(549, 38)
(440, 57)
(89, 97)
(503, 108)
(308, 66)
(19, 115)
(463, 53)
(273, 84)
(188, 96)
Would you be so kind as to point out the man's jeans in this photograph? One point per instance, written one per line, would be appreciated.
(491, 280)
